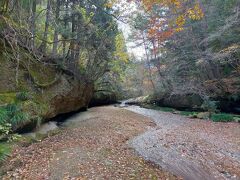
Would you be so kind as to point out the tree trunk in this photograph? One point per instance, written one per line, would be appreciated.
(165, 82)
(65, 26)
(55, 39)
(43, 45)
(77, 49)
(71, 50)
(148, 63)
(32, 23)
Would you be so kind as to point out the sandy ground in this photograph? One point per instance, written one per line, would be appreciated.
(91, 145)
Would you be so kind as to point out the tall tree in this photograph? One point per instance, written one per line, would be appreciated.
(32, 23)
(43, 45)
(56, 32)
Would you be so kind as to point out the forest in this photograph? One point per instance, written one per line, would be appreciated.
(88, 78)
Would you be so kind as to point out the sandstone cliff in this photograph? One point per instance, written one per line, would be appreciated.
(50, 90)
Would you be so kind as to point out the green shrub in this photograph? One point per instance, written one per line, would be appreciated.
(15, 115)
(3, 115)
(23, 96)
(222, 117)
(19, 118)
(12, 109)
(11, 117)
(210, 106)
(5, 130)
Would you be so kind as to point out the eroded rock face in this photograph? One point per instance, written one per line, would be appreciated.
(226, 91)
(102, 98)
(178, 101)
(67, 96)
(51, 89)
(192, 101)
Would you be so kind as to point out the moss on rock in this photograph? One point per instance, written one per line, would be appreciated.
(42, 75)
(52, 91)
(7, 98)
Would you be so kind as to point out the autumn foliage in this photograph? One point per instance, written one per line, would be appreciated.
(169, 16)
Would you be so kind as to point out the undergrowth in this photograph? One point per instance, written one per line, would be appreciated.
(5, 151)
(224, 117)
(12, 114)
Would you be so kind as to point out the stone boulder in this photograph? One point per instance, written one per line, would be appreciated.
(103, 98)
(52, 90)
(182, 101)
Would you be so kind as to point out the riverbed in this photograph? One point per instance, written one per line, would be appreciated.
(120, 142)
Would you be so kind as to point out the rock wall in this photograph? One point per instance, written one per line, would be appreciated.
(52, 91)
(178, 101)
(103, 98)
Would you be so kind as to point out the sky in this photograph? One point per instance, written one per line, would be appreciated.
(138, 52)
(127, 9)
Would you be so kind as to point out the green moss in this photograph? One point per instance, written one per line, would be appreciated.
(42, 75)
(31, 107)
(42, 105)
(7, 98)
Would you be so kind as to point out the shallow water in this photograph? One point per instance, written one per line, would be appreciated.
(71, 121)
